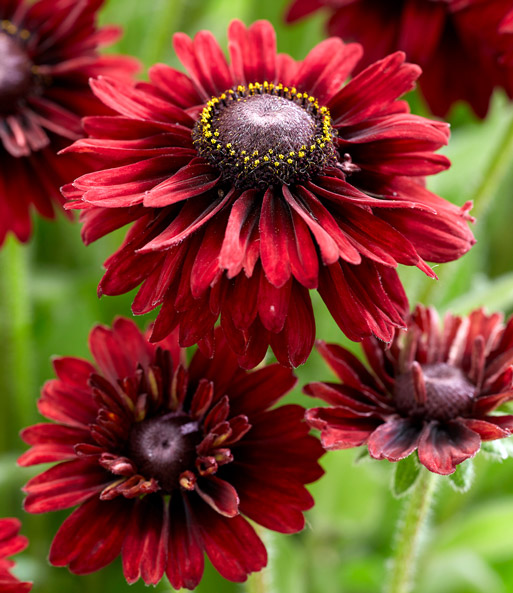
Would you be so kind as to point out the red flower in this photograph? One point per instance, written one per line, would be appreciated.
(11, 543)
(48, 51)
(164, 459)
(458, 43)
(252, 183)
(433, 391)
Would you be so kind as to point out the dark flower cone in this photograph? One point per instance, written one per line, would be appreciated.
(433, 390)
(167, 461)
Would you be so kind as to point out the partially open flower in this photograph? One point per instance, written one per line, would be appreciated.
(458, 43)
(164, 459)
(48, 52)
(253, 182)
(433, 390)
(10, 544)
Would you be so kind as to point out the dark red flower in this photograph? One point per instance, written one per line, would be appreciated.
(48, 52)
(458, 43)
(165, 458)
(433, 390)
(252, 183)
(11, 543)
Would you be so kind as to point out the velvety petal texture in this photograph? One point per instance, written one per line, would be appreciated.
(463, 46)
(432, 390)
(10, 544)
(48, 52)
(254, 180)
(166, 461)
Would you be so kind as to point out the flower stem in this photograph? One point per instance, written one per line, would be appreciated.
(409, 536)
(494, 174)
(15, 343)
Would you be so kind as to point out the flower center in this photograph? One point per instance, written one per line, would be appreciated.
(440, 392)
(163, 447)
(15, 69)
(265, 134)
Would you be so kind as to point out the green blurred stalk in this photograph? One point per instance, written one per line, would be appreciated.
(410, 533)
(483, 196)
(494, 173)
(15, 342)
(166, 19)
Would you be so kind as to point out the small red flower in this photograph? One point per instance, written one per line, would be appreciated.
(433, 390)
(48, 52)
(164, 459)
(10, 544)
(458, 43)
(253, 182)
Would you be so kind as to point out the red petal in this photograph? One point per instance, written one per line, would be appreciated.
(65, 485)
(145, 544)
(92, 536)
(185, 550)
(232, 545)
(443, 446)
(395, 439)
(326, 67)
(274, 238)
(219, 494)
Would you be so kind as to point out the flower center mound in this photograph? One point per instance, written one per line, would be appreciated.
(438, 391)
(265, 134)
(165, 446)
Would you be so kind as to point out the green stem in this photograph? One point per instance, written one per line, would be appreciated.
(494, 173)
(16, 362)
(409, 536)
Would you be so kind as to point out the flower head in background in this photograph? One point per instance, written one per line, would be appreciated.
(253, 182)
(433, 390)
(164, 459)
(459, 44)
(48, 52)
(10, 544)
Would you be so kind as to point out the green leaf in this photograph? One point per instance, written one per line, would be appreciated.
(461, 480)
(405, 475)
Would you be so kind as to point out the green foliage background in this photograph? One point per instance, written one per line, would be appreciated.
(344, 549)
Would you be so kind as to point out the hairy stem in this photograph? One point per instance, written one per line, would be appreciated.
(410, 534)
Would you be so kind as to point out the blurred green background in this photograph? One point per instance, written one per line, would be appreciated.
(349, 535)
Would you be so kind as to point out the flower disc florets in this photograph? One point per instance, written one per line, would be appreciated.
(265, 134)
(439, 391)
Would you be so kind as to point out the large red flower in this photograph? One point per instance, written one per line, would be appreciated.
(434, 390)
(164, 459)
(255, 181)
(48, 52)
(458, 43)
(11, 543)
